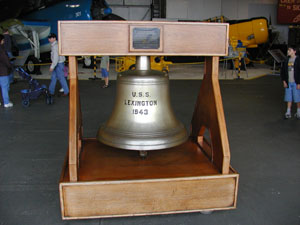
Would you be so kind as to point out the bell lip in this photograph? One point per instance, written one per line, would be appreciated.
(147, 140)
(144, 147)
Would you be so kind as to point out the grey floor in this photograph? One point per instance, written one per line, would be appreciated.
(265, 150)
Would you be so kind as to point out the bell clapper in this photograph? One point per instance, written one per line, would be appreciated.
(143, 154)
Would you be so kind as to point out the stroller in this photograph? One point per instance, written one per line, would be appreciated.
(35, 89)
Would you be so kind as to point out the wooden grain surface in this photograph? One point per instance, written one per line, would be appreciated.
(209, 114)
(101, 162)
(114, 182)
(112, 38)
(147, 197)
(74, 118)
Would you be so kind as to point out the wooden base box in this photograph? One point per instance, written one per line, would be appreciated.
(114, 183)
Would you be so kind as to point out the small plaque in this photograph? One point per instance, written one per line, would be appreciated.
(146, 38)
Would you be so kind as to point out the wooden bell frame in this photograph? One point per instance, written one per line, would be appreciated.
(100, 181)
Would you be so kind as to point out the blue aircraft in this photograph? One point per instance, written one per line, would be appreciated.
(32, 30)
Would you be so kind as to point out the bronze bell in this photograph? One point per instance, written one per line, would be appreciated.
(142, 117)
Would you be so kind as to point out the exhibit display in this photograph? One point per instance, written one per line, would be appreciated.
(104, 176)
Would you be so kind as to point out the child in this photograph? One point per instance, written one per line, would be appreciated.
(104, 65)
(290, 75)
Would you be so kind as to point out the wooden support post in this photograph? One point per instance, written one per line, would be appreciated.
(73, 120)
(209, 114)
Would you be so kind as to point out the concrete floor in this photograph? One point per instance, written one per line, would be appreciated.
(265, 150)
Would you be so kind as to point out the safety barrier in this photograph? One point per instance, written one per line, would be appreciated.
(237, 69)
(221, 60)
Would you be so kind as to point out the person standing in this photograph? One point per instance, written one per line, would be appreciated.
(290, 75)
(8, 49)
(5, 71)
(104, 65)
(57, 67)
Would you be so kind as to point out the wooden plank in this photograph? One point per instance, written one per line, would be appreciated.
(73, 119)
(231, 170)
(92, 38)
(219, 130)
(196, 39)
(101, 162)
(148, 197)
(209, 114)
(79, 123)
(112, 38)
(205, 146)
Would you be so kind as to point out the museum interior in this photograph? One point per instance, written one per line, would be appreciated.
(149, 112)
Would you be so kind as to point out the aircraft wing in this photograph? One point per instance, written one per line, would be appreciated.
(31, 37)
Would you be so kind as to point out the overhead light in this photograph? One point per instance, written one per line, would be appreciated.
(73, 5)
